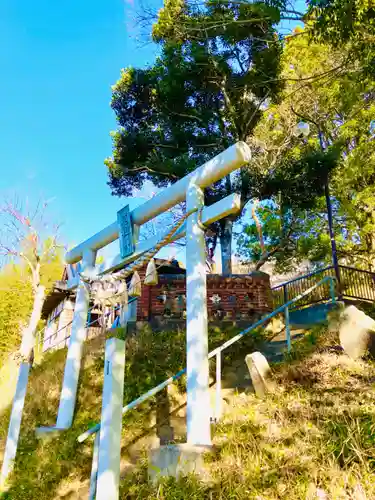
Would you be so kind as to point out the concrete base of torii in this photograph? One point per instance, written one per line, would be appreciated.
(177, 460)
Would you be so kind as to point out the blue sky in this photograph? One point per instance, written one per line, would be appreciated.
(58, 62)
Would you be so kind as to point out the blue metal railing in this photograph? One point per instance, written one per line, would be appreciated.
(293, 288)
(354, 284)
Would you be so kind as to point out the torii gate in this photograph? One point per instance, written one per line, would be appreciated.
(190, 188)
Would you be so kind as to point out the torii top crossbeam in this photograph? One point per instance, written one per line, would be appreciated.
(213, 170)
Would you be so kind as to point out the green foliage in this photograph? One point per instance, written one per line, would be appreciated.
(349, 24)
(218, 66)
(312, 438)
(299, 181)
(52, 264)
(16, 298)
(203, 93)
(290, 237)
(322, 90)
(15, 306)
(47, 469)
(145, 371)
(314, 434)
(354, 187)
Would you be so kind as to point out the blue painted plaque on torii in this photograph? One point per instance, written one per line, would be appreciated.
(125, 230)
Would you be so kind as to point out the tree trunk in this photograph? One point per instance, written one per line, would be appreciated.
(226, 246)
(28, 334)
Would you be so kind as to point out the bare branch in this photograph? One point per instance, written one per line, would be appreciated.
(148, 169)
(4, 250)
(258, 225)
(27, 260)
(25, 229)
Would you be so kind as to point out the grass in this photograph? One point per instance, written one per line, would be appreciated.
(60, 467)
(313, 438)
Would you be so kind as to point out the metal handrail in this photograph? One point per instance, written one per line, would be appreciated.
(266, 318)
(308, 275)
(355, 269)
(353, 284)
(217, 352)
(318, 271)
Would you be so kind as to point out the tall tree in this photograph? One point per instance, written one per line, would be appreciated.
(337, 109)
(284, 237)
(340, 109)
(25, 239)
(205, 92)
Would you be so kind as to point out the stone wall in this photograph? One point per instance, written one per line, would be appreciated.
(232, 297)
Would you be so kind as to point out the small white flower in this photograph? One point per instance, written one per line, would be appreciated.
(215, 299)
(321, 494)
(302, 129)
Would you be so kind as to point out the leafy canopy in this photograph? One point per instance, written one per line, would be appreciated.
(323, 90)
(204, 92)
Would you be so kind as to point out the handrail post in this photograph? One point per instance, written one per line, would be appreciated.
(94, 467)
(286, 315)
(285, 294)
(287, 329)
(218, 387)
(332, 290)
(338, 281)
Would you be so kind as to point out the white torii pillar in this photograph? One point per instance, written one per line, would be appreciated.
(197, 371)
(73, 361)
(108, 474)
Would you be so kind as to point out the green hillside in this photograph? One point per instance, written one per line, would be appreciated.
(313, 437)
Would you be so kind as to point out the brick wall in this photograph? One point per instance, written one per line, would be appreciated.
(228, 297)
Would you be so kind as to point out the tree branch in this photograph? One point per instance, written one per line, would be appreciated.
(27, 260)
(186, 115)
(258, 225)
(151, 171)
(308, 119)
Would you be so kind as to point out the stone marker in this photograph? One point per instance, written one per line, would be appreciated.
(357, 332)
(275, 325)
(260, 373)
